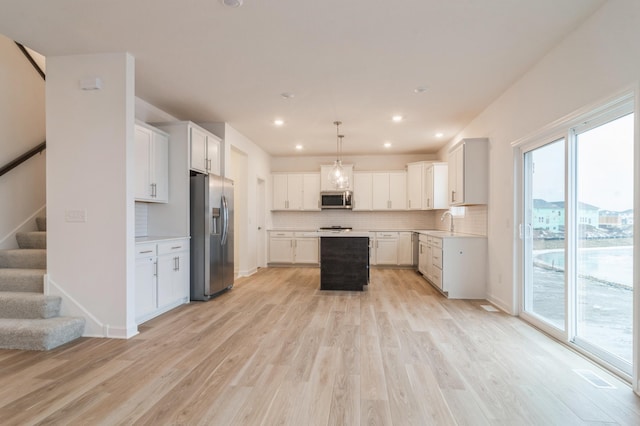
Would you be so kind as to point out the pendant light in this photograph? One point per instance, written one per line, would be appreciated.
(337, 177)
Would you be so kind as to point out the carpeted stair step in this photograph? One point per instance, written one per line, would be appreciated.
(23, 305)
(23, 258)
(41, 223)
(27, 280)
(39, 334)
(32, 240)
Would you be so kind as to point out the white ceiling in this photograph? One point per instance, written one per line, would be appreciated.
(357, 61)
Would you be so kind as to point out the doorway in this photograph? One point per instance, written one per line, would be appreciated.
(260, 223)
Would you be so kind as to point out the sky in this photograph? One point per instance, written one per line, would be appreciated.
(604, 167)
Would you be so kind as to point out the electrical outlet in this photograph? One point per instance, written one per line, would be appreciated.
(77, 216)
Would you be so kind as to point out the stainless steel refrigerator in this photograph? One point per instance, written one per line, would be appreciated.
(211, 236)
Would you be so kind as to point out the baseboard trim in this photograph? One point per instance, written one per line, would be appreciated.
(93, 326)
(500, 305)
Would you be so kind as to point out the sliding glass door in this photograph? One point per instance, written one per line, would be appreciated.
(577, 234)
(604, 239)
(543, 233)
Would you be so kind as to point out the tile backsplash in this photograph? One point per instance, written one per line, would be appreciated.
(474, 221)
(142, 213)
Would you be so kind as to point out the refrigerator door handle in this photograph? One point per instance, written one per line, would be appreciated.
(225, 225)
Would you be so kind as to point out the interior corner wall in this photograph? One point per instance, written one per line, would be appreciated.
(597, 60)
(258, 167)
(90, 182)
(22, 127)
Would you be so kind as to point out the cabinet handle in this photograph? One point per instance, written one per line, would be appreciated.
(155, 268)
(176, 263)
(176, 247)
(409, 203)
(428, 202)
(146, 251)
(453, 196)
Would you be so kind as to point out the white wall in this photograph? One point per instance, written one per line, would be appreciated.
(90, 168)
(22, 127)
(600, 58)
(258, 165)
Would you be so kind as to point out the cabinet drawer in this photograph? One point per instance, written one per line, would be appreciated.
(436, 258)
(172, 246)
(281, 234)
(383, 235)
(145, 250)
(436, 242)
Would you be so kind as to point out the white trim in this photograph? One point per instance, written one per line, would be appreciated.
(9, 241)
(93, 327)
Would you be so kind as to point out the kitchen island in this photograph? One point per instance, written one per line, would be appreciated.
(344, 260)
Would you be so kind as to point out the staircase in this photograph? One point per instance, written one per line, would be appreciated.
(28, 319)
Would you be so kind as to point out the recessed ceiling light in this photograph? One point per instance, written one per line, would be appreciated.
(278, 122)
(420, 89)
(439, 135)
(387, 144)
(299, 147)
(287, 95)
(232, 3)
(396, 118)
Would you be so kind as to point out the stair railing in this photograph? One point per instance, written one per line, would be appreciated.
(38, 149)
(21, 159)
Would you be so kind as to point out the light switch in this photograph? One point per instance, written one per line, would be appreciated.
(75, 215)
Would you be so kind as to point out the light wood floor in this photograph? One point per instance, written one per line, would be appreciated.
(275, 350)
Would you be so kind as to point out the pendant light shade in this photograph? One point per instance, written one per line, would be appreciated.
(337, 177)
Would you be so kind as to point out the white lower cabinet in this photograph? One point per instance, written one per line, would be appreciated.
(289, 247)
(454, 265)
(393, 249)
(162, 277)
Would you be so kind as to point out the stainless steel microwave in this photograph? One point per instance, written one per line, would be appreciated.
(336, 199)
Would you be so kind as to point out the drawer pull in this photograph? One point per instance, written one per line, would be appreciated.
(176, 247)
(146, 251)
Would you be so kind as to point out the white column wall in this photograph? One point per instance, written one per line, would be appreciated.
(90, 168)
(600, 58)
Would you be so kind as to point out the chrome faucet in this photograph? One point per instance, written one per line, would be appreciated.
(450, 223)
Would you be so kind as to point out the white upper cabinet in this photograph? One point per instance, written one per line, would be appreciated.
(435, 186)
(204, 151)
(415, 181)
(362, 191)
(324, 177)
(468, 172)
(389, 191)
(152, 164)
(296, 191)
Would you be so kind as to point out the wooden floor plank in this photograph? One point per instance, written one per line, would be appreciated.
(277, 350)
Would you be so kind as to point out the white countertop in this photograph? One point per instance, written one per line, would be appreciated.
(367, 233)
(157, 238)
(342, 233)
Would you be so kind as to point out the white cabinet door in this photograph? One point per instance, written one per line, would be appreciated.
(387, 251)
(311, 191)
(306, 250)
(362, 191)
(397, 191)
(380, 182)
(280, 192)
(294, 191)
(160, 169)
(456, 176)
(423, 258)
(173, 274)
(146, 274)
(428, 187)
(198, 150)
(415, 181)
(280, 250)
(152, 165)
(213, 155)
(405, 248)
(144, 142)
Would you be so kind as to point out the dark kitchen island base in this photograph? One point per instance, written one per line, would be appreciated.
(344, 263)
